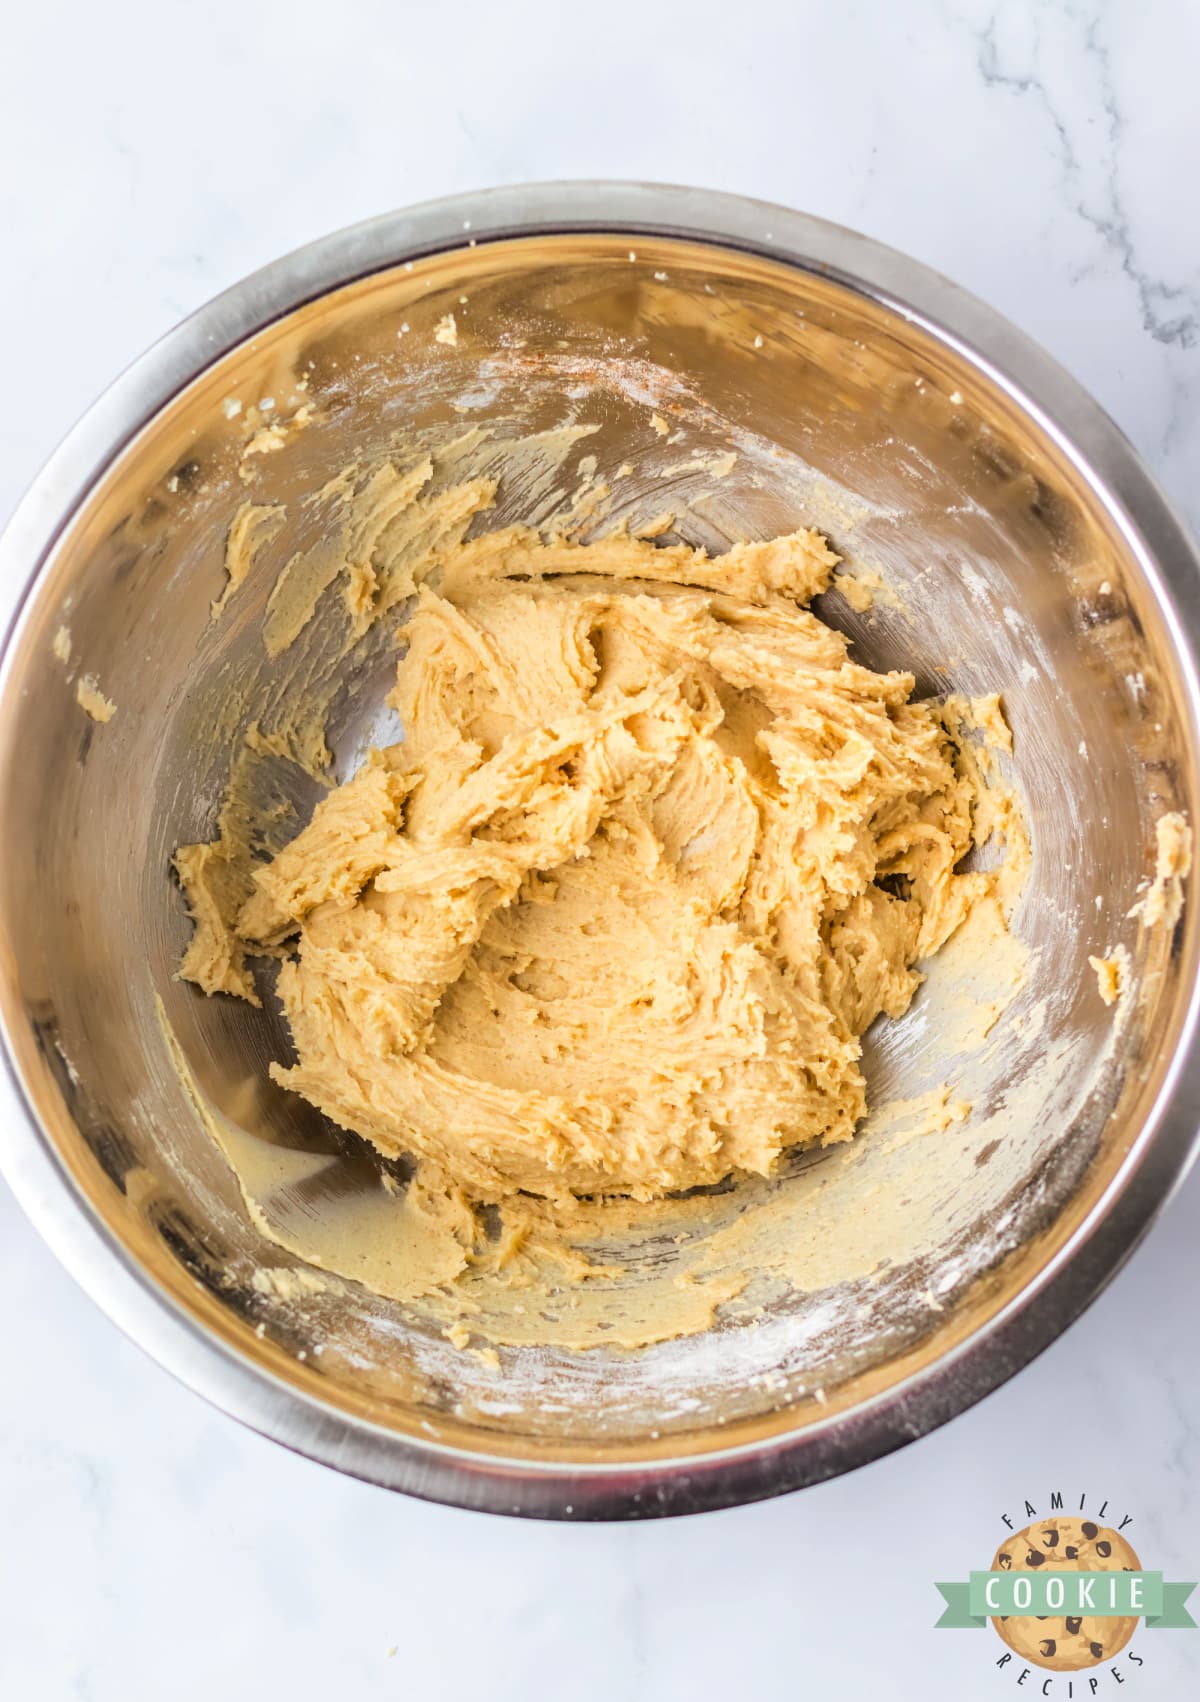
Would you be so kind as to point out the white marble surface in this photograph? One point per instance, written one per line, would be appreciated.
(1044, 154)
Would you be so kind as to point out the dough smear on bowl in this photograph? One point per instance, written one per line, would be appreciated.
(653, 853)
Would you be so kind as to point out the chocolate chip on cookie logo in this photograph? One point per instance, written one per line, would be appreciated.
(1065, 1593)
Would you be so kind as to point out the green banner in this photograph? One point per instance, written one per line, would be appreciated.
(1097, 1595)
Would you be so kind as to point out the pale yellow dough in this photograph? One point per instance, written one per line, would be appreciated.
(92, 700)
(652, 855)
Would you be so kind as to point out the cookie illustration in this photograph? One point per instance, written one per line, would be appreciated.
(1066, 1545)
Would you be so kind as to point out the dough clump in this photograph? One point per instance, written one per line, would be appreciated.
(652, 855)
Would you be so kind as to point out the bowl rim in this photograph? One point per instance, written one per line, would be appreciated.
(1159, 1155)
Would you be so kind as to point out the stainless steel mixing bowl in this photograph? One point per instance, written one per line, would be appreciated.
(1030, 551)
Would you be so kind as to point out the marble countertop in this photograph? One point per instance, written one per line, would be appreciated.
(1043, 153)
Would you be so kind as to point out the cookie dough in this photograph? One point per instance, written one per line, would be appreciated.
(92, 700)
(651, 856)
(1066, 1545)
(1111, 973)
(1163, 903)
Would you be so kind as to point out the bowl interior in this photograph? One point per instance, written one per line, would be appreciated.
(788, 399)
